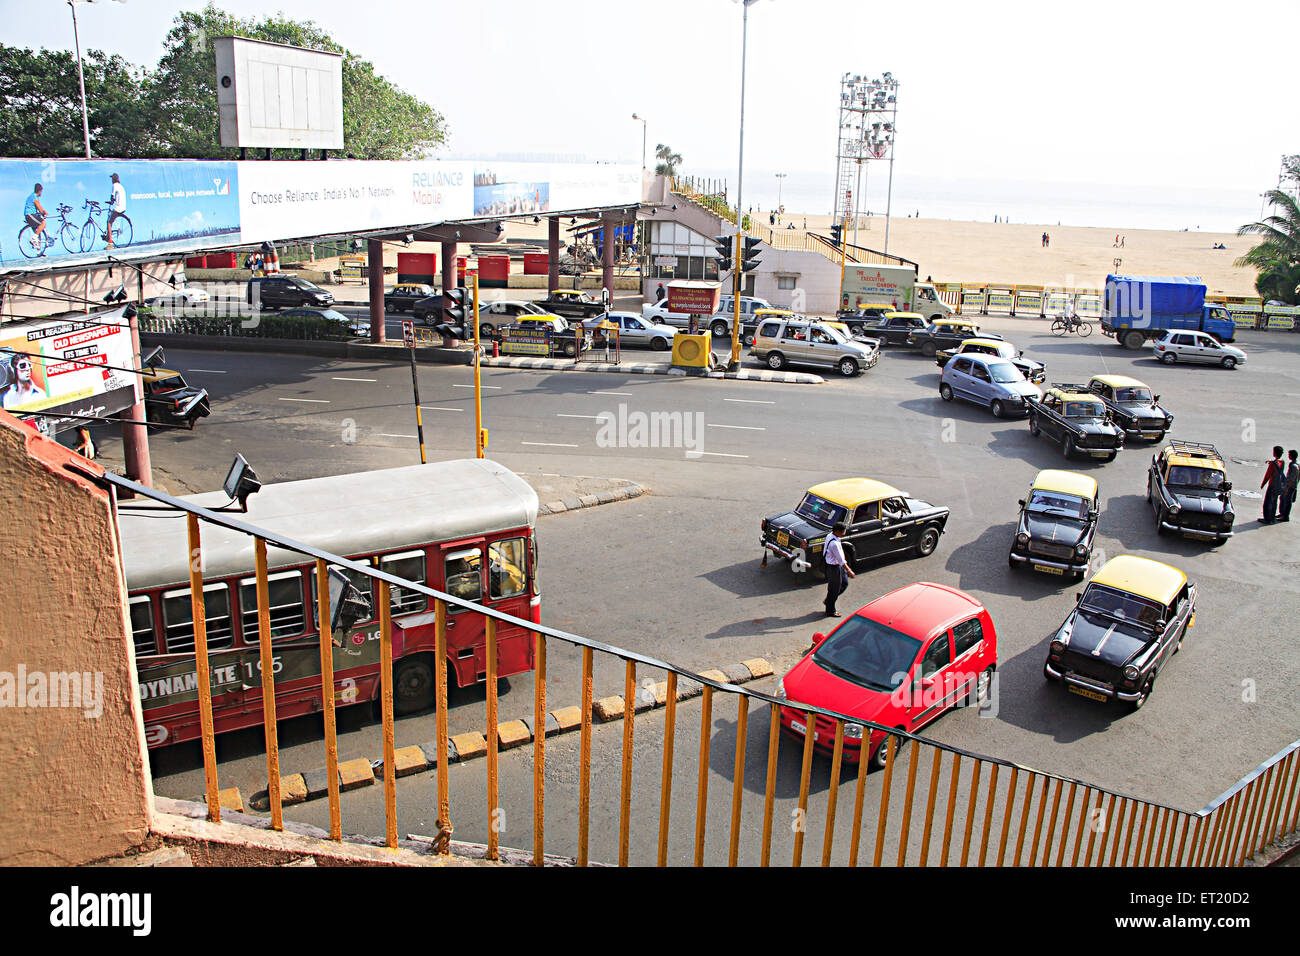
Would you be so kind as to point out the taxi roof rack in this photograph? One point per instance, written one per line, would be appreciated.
(1194, 449)
(1070, 387)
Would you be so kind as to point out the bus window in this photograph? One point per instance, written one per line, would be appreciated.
(506, 568)
(362, 582)
(146, 642)
(409, 565)
(464, 576)
(178, 618)
(284, 607)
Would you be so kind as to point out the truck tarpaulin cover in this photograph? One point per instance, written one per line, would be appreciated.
(1154, 295)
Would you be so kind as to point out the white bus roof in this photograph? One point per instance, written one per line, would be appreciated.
(362, 513)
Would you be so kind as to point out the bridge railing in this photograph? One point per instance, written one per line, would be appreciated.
(931, 804)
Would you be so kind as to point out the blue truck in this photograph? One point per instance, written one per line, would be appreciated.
(1139, 308)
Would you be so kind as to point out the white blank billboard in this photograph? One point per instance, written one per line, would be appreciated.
(271, 95)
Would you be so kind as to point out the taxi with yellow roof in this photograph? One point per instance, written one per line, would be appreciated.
(1189, 493)
(881, 521)
(945, 333)
(1036, 372)
(1075, 417)
(1132, 406)
(1125, 627)
(1058, 521)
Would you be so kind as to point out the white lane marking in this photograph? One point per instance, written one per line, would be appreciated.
(209, 371)
(748, 401)
(612, 393)
(314, 401)
(747, 428)
(338, 378)
(391, 435)
(547, 444)
(436, 408)
(481, 386)
(596, 417)
(722, 454)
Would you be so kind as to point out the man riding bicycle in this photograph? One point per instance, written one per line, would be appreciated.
(35, 215)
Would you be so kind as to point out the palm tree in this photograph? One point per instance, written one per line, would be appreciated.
(1277, 256)
(668, 160)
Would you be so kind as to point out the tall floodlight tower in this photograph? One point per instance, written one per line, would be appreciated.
(868, 122)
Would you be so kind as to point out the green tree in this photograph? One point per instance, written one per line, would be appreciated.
(1277, 256)
(668, 160)
(40, 104)
(380, 120)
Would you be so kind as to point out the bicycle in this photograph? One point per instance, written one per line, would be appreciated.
(67, 233)
(1065, 324)
(122, 232)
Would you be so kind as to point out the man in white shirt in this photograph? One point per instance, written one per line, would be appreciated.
(116, 207)
(838, 571)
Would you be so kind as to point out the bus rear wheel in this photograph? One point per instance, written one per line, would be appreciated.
(413, 685)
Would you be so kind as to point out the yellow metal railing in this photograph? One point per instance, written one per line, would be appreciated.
(975, 822)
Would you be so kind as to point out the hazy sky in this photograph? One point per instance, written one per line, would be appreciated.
(1189, 94)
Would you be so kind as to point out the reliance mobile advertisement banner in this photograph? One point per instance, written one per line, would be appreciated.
(167, 206)
(67, 368)
(176, 206)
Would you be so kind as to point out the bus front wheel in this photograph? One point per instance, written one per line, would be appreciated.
(413, 684)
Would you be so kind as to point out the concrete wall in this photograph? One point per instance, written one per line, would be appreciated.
(73, 787)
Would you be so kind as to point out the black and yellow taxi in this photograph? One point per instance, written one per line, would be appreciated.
(1189, 492)
(881, 520)
(1058, 521)
(1126, 626)
(403, 296)
(170, 400)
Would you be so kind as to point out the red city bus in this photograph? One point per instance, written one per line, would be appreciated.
(464, 527)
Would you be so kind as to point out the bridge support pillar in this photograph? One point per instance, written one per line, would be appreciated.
(375, 275)
(552, 253)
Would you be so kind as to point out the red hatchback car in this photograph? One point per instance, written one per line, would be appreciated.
(901, 661)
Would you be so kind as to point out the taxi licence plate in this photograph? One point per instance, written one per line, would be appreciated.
(782, 538)
(1198, 535)
(1151, 434)
(1099, 454)
(1048, 570)
(1084, 692)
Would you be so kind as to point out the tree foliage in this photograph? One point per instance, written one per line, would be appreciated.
(1277, 256)
(171, 111)
(668, 160)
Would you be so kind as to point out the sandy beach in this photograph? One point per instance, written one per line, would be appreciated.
(986, 252)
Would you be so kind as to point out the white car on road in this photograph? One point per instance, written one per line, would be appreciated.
(1182, 345)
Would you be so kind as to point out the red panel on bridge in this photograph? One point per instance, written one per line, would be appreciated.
(493, 271)
(536, 263)
(417, 267)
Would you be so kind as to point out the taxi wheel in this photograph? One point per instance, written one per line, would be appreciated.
(1148, 489)
(570, 350)
(775, 361)
(1033, 425)
(998, 409)
(929, 349)
(945, 392)
(1012, 563)
(928, 541)
(1160, 518)
(413, 685)
(1111, 456)
(1142, 697)
(1067, 446)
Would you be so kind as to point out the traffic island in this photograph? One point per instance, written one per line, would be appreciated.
(653, 368)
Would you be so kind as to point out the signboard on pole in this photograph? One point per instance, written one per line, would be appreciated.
(693, 297)
(408, 333)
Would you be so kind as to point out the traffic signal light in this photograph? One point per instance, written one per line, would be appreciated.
(456, 304)
(725, 245)
(837, 235)
(749, 255)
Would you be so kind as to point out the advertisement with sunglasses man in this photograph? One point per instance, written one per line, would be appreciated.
(21, 387)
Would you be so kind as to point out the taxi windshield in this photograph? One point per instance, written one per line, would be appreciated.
(168, 383)
(868, 653)
(1084, 410)
(1122, 606)
(1005, 373)
(1187, 476)
(1057, 503)
(818, 509)
(1133, 395)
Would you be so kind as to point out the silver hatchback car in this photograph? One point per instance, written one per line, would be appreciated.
(1180, 345)
(802, 341)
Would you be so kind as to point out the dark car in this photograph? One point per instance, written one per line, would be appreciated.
(1127, 625)
(170, 400)
(1189, 493)
(881, 521)
(347, 325)
(401, 297)
(574, 304)
(1058, 521)
(892, 328)
(1132, 406)
(866, 317)
(1077, 419)
(428, 310)
(945, 334)
(286, 292)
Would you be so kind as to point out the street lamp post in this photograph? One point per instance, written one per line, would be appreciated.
(81, 76)
(738, 261)
(643, 132)
(779, 183)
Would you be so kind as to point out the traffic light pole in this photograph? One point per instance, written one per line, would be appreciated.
(739, 260)
(419, 415)
(480, 433)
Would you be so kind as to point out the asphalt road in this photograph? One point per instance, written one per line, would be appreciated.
(676, 573)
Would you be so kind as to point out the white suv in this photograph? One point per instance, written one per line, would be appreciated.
(1182, 345)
